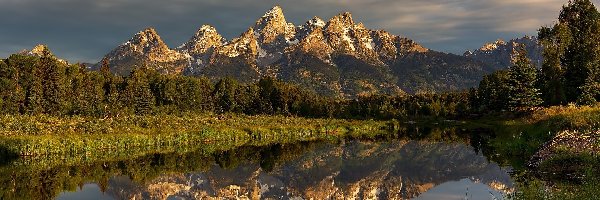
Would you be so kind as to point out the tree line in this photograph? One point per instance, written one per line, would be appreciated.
(44, 85)
(570, 73)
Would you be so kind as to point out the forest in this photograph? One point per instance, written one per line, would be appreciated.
(43, 85)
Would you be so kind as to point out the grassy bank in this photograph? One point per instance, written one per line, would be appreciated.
(34, 136)
(519, 138)
(564, 137)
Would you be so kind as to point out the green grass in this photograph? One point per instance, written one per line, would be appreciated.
(43, 136)
(567, 175)
(518, 139)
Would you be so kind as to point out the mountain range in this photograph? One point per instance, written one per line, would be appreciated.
(338, 57)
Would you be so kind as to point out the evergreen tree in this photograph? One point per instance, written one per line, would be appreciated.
(474, 101)
(493, 91)
(94, 95)
(113, 92)
(266, 88)
(11, 93)
(35, 93)
(111, 87)
(522, 91)
(24, 66)
(76, 91)
(194, 94)
(52, 82)
(137, 95)
(590, 90)
(105, 67)
(225, 95)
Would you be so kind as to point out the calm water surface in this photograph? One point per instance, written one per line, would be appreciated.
(348, 169)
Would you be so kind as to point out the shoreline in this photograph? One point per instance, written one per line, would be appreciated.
(82, 136)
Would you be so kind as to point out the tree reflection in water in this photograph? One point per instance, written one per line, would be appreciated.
(393, 166)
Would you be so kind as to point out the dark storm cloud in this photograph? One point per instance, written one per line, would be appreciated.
(84, 30)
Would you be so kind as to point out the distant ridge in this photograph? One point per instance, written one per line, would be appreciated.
(338, 57)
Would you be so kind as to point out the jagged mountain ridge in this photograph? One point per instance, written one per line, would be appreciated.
(337, 57)
(498, 54)
(146, 48)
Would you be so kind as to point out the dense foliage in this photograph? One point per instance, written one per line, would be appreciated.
(570, 72)
(45, 85)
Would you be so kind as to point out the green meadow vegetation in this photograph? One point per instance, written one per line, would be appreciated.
(43, 135)
(569, 133)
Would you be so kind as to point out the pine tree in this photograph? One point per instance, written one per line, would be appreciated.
(113, 92)
(474, 101)
(76, 92)
(224, 94)
(590, 90)
(25, 66)
(35, 94)
(522, 91)
(582, 18)
(10, 91)
(105, 67)
(137, 94)
(53, 88)
(111, 89)
(94, 95)
(493, 91)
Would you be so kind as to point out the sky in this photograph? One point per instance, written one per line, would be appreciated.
(85, 30)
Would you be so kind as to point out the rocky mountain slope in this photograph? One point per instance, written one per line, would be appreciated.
(146, 48)
(38, 51)
(498, 55)
(338, 57)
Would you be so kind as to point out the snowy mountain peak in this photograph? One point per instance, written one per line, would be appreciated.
(148, 34)
(245, 45)
(146, 48)
(205, 38)
(207, 28)
(343, 19)
(275, 11)
(146, 40)
(337, 57)
(498, 54)
(316, 21)
(493, 45)
(38, 50)
(341, 34)
(271, 25)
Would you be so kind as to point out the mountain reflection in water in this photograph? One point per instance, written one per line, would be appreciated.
(415, 163)
(346, 170)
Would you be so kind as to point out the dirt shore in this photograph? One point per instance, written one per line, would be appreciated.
(569, 142)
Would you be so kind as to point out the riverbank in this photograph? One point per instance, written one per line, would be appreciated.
(573, 130)
(555, 151)
(42, 135)
(43, 141)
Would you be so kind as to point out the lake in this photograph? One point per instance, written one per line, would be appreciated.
(430, 164)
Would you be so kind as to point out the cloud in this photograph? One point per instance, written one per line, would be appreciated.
(84, 30)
